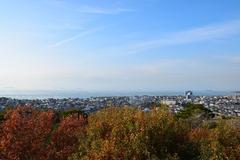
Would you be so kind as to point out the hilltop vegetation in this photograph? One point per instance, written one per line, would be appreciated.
(191, 110)
(115, 133)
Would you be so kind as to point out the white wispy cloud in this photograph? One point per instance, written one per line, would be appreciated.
(79, 35)
(199, 34)
(98, 10)
(62, 26)
(88, 9)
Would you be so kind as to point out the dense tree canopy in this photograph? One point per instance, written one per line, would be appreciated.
(31, 134)
(115, 133)
(127, 133)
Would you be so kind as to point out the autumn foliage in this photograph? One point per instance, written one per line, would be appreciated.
(114, 133)
(127, 133)
(31, 134)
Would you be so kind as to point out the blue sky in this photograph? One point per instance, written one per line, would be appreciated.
(107, 45)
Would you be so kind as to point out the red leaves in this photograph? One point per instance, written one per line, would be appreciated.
(24, 133)
(114, 133)
(28, 133)
(64, 139)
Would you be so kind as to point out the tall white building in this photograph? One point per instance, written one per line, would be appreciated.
(189, 95)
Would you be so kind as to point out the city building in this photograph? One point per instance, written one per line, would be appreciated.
(189, 95)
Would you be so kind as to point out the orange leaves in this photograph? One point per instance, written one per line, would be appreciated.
(24, 133)
(221, 142)
(124, 133)
(127, 133)
(198, 134)
(113, 133)
(64, 139)
(28, 133)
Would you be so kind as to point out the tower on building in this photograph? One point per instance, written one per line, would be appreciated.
(236, 95)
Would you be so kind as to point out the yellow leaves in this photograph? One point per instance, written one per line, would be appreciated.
(133, 134)
(120, 133)
(198, 134)
(218, 143)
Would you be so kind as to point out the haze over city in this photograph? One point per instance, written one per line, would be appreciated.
(123, 45)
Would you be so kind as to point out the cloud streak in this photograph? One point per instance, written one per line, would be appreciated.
(88, 9)
(98, 10)
(75, 37)
(200, 34)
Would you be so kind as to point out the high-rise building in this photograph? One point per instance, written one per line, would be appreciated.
(189, 95)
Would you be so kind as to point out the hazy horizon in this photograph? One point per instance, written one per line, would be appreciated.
(43, 94)
(152, 45)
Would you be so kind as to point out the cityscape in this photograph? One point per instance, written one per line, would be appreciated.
(219, 105)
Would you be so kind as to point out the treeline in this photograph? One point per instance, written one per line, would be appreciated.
(117, 133)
